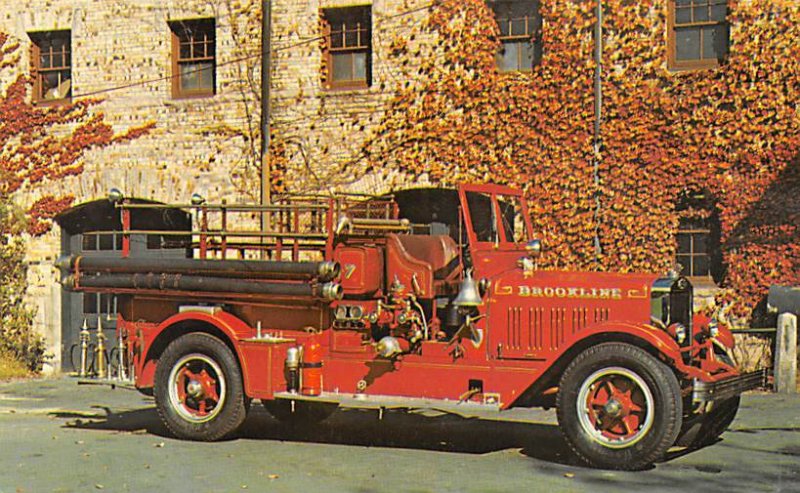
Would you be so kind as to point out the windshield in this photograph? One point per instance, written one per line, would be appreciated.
(488, 227)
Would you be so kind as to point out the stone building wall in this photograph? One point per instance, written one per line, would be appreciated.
(205, 145)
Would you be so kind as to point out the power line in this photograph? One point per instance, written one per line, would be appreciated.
(235, 60)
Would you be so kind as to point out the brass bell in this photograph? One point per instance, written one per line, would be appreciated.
(468, 294)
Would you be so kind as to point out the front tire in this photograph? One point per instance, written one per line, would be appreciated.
(619, 407)
(198, 388)
(700, 430)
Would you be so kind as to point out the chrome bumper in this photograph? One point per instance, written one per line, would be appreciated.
(730, 387)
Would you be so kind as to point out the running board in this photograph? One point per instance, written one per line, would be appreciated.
(491, 402)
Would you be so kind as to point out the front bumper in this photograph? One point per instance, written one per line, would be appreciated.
(729, 387)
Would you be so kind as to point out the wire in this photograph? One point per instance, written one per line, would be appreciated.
(236, 60)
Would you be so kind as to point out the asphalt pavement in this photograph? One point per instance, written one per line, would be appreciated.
(57, 436)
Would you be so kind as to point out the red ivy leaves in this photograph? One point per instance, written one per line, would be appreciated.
(731, 132)
(44, 210)
(43, 143)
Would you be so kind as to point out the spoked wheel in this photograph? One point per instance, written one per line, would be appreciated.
(197, 388)
(199, 393)
(616, 407)
(619, 407)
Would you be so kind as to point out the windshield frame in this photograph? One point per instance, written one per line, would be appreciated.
(494, 191)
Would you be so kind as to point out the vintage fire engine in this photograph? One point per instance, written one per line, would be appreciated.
(424, 299)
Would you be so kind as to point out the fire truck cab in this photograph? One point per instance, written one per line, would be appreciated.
(423, 299)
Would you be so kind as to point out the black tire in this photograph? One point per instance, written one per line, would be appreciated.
(198, 388)
(619, 407)
(303, 413)
(705, 429)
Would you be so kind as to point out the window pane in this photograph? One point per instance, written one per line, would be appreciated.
(511, 217)
(701, 13)
(683, 2)
(504, 27)
(185, 50)
(715, 42)
(106, 242)
(342, 66)
(106, 303)
(89, 303)
(49, 83)
(687, 43)
(507, 57)
(685, 261)
(337, 37)
(154, 242)
(700, 242)
(89, 242)
(526, 56)
(684, 243)
(482, 215)
(360, 65)
(197, 76)
(719, 12)
(683, 15)
(351, 36)
(700, 265)
(518, 27)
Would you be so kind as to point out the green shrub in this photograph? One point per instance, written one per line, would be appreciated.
(17, 338)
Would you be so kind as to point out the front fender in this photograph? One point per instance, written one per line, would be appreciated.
(652, 336)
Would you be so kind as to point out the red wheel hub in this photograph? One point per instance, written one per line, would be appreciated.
(197, 390)
(616, 407)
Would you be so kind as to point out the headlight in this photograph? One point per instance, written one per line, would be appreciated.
(713, 328)
(678, 332)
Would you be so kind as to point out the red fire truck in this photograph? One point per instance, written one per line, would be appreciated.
(429, 298)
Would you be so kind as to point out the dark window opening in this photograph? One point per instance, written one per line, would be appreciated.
(193, 58)
(698, 240)
(699, 34)
(348, 53)
(51, 65)
(520, 35)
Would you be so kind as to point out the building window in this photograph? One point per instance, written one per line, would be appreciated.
(100, 304)
(51, 65)
(698, 240)
(93, 242)
(693, 247)
(348, 47)
(193, 58)
(698, 33)
(520, 38)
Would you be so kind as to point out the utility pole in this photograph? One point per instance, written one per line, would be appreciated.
(598, 114)
(266, 77)
(266, 59)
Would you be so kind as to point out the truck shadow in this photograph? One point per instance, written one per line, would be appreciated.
(394, 429)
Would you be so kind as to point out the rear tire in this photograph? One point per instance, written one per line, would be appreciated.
(619, 407)
(198, 388)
